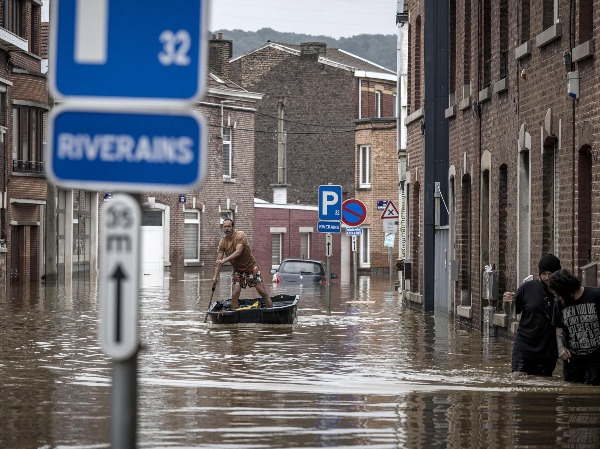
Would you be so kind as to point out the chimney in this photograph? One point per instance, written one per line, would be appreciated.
(219, 54)
(313, 49)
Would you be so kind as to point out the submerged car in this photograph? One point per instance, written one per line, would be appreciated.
(301, 271)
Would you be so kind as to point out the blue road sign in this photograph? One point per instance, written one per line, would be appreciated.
(330, 203)
(354, 231)
(334, 227)
(354, 212)
(134, 49)
(125, 150)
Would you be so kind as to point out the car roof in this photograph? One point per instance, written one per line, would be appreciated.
(302, 260)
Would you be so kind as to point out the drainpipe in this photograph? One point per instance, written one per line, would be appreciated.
(401, 20)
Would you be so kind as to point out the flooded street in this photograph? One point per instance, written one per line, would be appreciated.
(372, 373)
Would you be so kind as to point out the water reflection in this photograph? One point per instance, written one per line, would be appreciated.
(372, 373)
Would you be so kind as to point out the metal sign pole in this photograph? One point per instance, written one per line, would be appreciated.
(328, 287)
(118, 311)
(124, 404)
(328, 273)
(391, 276)
(355, 268)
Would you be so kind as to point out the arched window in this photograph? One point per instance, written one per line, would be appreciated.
(549, 197)
(465, 241)
(502, 228)
(584, 206)
(523, 217)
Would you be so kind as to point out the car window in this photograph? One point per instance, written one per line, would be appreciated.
(301, 267)
(289, 267)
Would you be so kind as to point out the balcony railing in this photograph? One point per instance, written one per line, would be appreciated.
(28, 167)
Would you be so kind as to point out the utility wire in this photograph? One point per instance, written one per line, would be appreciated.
(320, 125)
(383, 128)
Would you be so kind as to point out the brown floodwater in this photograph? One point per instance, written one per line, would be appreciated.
(374, 372)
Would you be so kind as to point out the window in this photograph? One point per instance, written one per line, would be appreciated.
(467, 50)
(191, 234)
(365, 248)
(525, 20)
(377, 104)
(226, 215)
(417, 65)
(365, 166)
(34, 29)
(227, 153)
(305, 245)
(13, 19)
(549, 198)
(550, 13)
(28, 139)
(452, 52)
(487, 42)
(503, 38)
(276, 244)
(296, 267)
(586, 20)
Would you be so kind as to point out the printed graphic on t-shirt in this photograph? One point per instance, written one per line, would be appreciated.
(581, 321)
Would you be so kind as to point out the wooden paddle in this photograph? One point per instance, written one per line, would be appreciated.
(209, 302)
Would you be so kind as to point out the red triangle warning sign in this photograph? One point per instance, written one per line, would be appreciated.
(390, 211)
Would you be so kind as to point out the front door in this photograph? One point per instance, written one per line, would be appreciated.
(152, 251)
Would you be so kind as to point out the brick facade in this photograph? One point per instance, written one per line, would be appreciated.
(325, 92)
(25, 91)
(292, 220)
(217, 194)
(520, 148)
(321, 102)
(380, 136)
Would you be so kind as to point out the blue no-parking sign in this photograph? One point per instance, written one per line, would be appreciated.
(128, 50)
(354, 212)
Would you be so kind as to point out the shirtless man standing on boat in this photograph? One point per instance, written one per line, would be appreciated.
(236, 249)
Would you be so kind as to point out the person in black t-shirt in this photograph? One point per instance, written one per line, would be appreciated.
(577, 327)
(534, 348)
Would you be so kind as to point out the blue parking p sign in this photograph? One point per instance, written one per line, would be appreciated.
(330, 203)
(128, 50)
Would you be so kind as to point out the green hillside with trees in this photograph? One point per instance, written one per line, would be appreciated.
(377, 48)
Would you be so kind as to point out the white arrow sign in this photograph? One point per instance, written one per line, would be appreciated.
(119, 277)
(328, 245)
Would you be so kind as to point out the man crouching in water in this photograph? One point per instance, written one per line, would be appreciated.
(236, 249)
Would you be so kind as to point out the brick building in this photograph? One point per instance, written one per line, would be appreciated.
(313, 97)
(183, 229)
(291, 231)
(376, 182)
(179, 229)
(23, 109)
(522, 172)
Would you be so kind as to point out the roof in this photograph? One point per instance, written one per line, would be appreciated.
(222, 86)
(335, 57)
(214, 81)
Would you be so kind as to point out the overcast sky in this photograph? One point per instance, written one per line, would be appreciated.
(335, 18)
